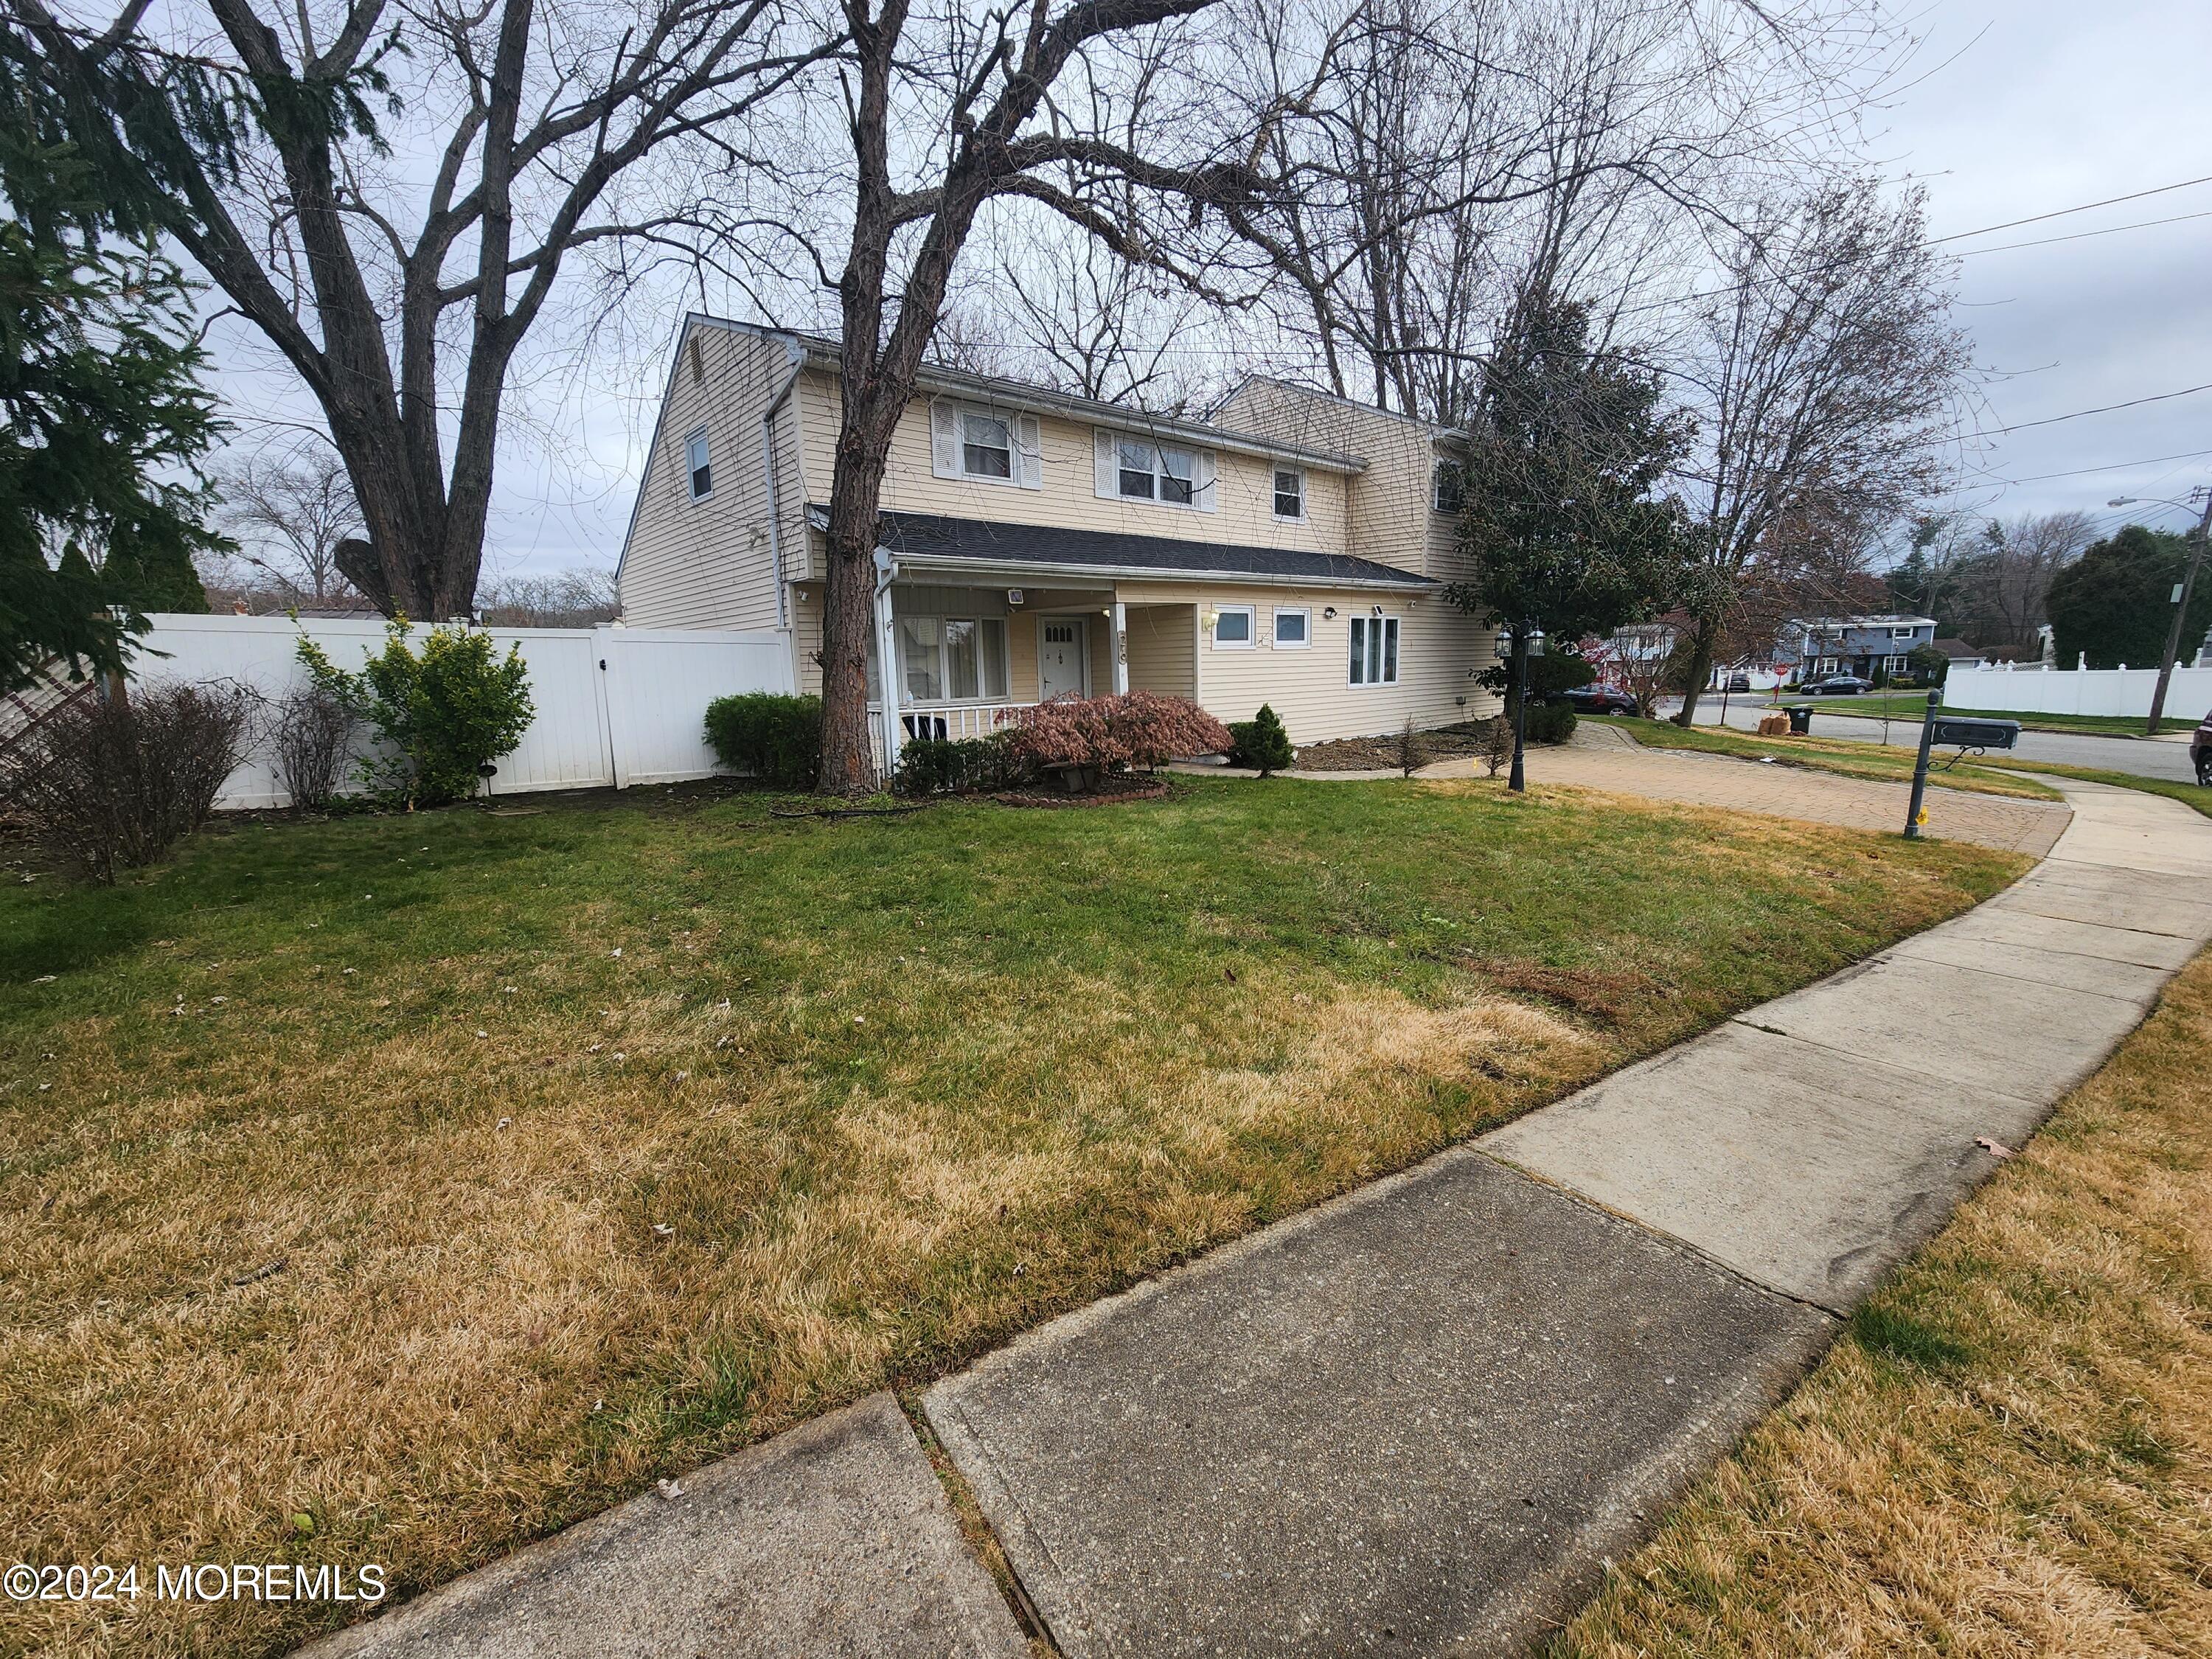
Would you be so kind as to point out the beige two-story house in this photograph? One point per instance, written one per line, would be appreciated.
(1291, 549)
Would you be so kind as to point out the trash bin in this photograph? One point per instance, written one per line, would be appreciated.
(1801, 718)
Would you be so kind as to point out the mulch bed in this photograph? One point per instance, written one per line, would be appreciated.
(1376, 754)
(1135, 789)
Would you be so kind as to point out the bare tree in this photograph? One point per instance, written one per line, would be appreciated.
(580, 597)
(289, 514)
(1829, 362)
(398, 273)
(2006, 579)
(946, 113)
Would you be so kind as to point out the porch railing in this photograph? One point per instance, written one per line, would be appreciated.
(944, 719)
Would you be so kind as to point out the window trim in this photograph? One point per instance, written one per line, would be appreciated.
(1904, 633)
(1377, 629)
(943, 652)
(698, 435)
(963, 413)
(1276, 494)
(1124, 442)
(1275, 634)
(1251, 640)
(1456, 469)
(1896, 664)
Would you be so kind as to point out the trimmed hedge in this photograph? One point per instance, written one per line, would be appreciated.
(1549, 722)
(775, 737)
(958, 766)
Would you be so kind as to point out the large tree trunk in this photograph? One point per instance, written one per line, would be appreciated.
(848, 751)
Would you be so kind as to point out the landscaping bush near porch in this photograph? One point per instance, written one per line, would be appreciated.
(399, 1189)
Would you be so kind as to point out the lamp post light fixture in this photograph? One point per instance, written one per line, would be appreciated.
(1523, 646)
(2182, 591)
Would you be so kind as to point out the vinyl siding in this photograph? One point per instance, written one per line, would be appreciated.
(705, 563)
(1439, 648)
(1244, 485)
(1160, 649)
(1390, 514)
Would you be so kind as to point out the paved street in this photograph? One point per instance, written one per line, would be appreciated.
(2135, 756)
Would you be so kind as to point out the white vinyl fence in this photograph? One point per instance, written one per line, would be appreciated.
(614, 706)
(2038, 691)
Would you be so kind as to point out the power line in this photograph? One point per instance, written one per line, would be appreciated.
(2106, 409)
(2060, 213)
(2110, 466)
(2045, 242)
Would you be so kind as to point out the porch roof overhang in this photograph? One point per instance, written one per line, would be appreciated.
(925, 542)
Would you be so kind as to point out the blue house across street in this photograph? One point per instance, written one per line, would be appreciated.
(1858, 645)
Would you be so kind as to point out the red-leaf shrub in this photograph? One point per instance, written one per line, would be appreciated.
(1141, 729)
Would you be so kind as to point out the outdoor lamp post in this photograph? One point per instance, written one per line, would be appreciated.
(2181, 594)
(1525, 646)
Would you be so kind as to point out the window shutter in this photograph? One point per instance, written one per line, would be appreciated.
(1202, 493)
(944, 440)
(1108, 453)
(1028, 457)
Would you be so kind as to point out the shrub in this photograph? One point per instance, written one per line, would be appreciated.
(446, 714)
(1141, 729)
(314, 733)
(111, 785)
(771, 735)
(1412, 749)
(1549, 722)
(1261, 742)
(956, 766)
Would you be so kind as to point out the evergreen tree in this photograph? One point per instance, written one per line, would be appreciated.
(102, 420)
(2115, 602)
(1566, 452)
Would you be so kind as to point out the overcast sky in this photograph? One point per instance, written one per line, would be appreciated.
(2048, 104)
(2016, 108)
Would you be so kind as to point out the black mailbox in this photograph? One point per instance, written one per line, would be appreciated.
(1970, 731)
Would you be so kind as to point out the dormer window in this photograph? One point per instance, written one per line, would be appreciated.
(695, 457)
(987, 447)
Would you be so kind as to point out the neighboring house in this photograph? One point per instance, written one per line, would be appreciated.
(1863, 646)
(1957, 651)
(1633, 653)
(1291, 549)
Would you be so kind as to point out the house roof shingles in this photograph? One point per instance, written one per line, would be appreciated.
(934, 538)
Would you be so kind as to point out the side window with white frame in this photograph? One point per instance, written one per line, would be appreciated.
(1450, 486)
(1293, 628)
(1374, 652)
(952, 659)
(698, 464)
(1290, 492)
(1232, 628)
(1903, 633)
(1133, 469)
(985, 446)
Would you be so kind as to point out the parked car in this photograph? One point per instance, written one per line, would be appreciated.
(1599, 699)
(1837, 686)
(2200, 751)
(1738, 683)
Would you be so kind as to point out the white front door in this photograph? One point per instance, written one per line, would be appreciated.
(1061, 653)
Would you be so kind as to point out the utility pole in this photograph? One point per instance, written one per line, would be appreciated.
(2180, 610)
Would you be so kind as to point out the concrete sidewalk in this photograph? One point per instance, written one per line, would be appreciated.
(1416, 1419)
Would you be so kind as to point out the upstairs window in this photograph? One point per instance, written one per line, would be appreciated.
(1290, 493)
(987, 447)
(1450, 486)
(1903, 633)
(695, 456)
(1153, 472)
(1374, 651)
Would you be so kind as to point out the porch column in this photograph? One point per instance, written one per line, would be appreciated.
(888, 660)
(1121, 650)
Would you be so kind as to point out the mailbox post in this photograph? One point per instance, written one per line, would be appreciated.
(1968, 731)
(1920, 766)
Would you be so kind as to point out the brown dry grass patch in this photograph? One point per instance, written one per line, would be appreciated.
(2010, 1453)
(854, 1102)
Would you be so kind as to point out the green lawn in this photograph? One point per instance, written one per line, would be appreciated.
(1913, 706)
(1844, 756)
(400, 1188)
